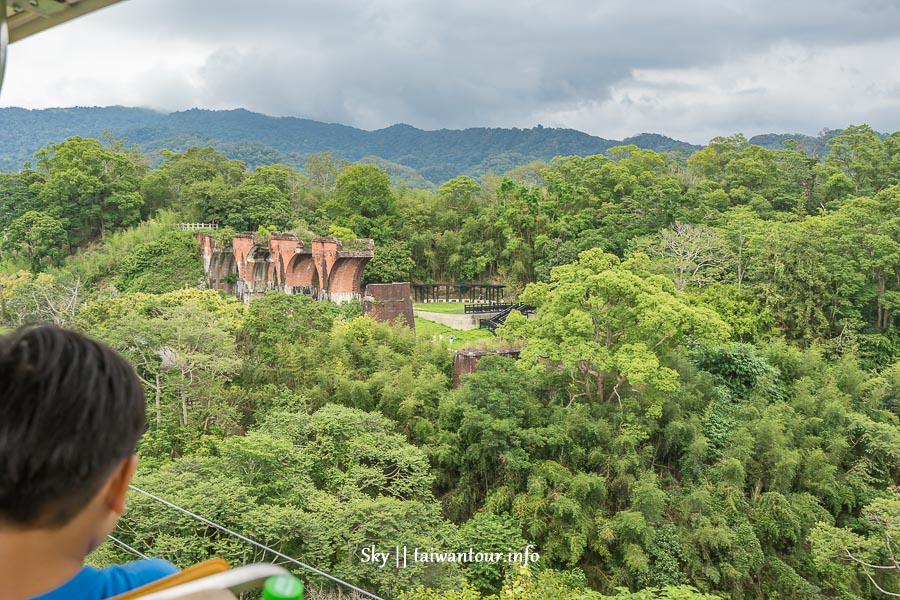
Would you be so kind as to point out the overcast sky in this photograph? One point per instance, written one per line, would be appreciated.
(690, 69)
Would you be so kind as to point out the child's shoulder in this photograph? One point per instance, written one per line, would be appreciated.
(91, 583)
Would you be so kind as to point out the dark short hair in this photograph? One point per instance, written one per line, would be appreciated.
(71, 409)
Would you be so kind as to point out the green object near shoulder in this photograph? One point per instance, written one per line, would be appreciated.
(283, 587)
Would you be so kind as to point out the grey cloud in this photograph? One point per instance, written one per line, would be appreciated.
(466, 63)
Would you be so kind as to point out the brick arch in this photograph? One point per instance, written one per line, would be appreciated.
(242, 245)
(222, 265)
(301, 271)
(346, 275)
(258, 267)
(357, 276)
(261, 273)
(282, 250)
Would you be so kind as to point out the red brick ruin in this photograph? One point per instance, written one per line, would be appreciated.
(327, 269)
(387, 302)
(465, 362)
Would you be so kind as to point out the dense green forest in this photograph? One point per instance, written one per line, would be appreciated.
(707, 403)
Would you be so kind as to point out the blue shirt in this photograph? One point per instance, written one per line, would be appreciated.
(97, 584)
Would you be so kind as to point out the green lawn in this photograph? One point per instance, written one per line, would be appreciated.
(429, 329)
(447, 308)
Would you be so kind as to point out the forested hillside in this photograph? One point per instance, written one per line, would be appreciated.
(256, 139)
(818, 145)
(412, 157)
(706, 404)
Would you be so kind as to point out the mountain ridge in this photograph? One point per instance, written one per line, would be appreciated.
(434, 155)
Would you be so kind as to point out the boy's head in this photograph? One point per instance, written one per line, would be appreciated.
(71, 414)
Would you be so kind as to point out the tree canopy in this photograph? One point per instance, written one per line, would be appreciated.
(705, 403)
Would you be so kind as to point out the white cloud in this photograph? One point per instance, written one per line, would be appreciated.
(91, 67)
(788, 88)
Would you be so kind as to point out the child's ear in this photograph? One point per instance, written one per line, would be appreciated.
(117, 487)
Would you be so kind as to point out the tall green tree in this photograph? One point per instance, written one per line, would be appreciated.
(18, 195)
(38, 236)
(860, 154)
(91, 188)
(323, 169)
(874, 555)
(610, 324)
(264, 206)
(364, 202)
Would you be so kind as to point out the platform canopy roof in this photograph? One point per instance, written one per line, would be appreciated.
(27, 17)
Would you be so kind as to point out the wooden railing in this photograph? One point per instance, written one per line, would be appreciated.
(196, 226)
(472, 309)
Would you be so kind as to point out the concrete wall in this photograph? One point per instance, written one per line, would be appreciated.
(456, 321)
